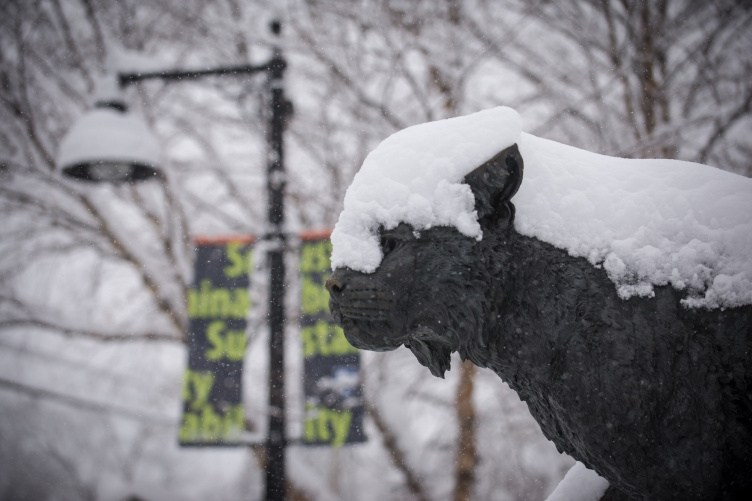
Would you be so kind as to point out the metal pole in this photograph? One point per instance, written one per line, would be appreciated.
(126, 79)
(276, 438)
(276, 180)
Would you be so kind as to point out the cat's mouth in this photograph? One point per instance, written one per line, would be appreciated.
(370, 334)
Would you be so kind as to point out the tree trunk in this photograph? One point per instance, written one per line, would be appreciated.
(467, 458)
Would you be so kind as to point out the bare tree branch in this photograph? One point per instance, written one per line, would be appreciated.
(84, 333)
(396, 454)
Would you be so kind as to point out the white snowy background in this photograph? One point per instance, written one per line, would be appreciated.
(92, 278)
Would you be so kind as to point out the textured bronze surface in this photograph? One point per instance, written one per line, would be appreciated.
(651, 395)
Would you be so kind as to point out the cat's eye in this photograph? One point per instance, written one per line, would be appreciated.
(388, 244)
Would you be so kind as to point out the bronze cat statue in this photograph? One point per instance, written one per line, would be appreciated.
(653, 396)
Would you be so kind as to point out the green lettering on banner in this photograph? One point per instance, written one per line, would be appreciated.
(327, 425)
(240, 262)
(332, 387)
(315, 296)
(225, 343)
(206, 425)
(210, 302)
(315, 256)
(218, 305)
(326, 339)
(196, 388)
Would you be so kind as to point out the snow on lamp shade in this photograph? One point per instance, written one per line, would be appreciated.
(109, 145)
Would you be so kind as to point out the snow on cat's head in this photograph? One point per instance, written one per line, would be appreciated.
(646, 222)
(415, 176)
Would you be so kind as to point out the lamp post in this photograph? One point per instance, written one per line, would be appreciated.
(136, 159)
(276, 439)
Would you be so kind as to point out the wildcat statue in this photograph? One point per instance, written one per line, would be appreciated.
(652, 395)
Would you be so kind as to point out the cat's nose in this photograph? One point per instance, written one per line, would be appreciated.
(334, 284)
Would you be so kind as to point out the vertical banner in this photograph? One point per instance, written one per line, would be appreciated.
(331, 366)
(218, 304)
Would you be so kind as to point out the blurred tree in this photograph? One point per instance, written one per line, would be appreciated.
(93, 279)
(638, 78)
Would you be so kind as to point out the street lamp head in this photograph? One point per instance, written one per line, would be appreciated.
(108, 144)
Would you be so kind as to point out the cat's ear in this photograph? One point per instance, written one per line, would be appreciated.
(494, 183)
